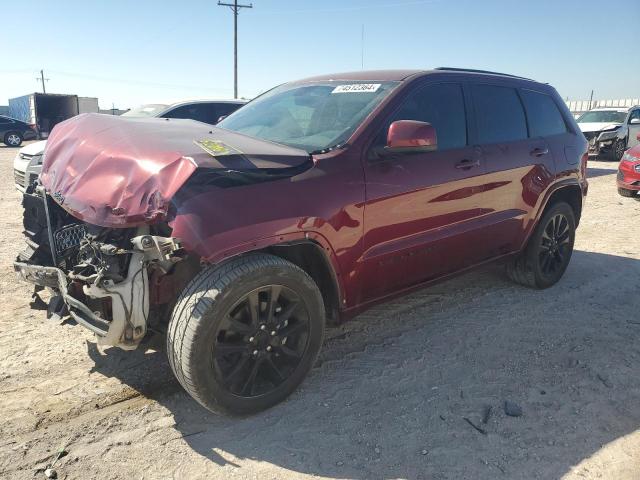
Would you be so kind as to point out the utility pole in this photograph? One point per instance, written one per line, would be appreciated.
(362, 48)
(42, 79)
(235, 8)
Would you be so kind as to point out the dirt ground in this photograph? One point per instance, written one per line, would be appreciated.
(390, 396)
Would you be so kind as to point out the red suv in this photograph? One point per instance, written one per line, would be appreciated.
(313, 202)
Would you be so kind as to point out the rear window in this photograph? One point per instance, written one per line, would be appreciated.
(542, 112)
(499, 114)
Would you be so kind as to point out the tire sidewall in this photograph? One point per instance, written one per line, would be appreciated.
(542, 280)
(6, 139)
(201, 366)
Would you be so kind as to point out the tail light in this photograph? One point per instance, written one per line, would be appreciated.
(583, 165)
(33, 127)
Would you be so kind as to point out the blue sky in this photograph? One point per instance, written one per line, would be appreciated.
(131, 52)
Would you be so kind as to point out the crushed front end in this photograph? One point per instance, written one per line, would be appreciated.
(99, 276)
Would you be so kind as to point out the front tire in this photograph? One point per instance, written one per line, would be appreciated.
(13, 139)
(626, 193)
(548, 251)
(243, 335)
(618, 148)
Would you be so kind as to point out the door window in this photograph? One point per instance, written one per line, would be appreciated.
(442, 106)
(203, 112)
(542, 112)
(499, 114)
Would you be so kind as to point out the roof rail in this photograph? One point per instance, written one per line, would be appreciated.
(472, 70)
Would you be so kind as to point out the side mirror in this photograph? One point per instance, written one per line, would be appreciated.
(634, 121)
(411, 136)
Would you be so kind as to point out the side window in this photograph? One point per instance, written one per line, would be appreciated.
(542, 112)
(203, 112)
(440, 105)
(499, 114)
(207, 112)
(226, 109)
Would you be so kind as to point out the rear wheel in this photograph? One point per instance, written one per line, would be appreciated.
(627, 193)
(244, 335)
(549, 250)
(13, 139)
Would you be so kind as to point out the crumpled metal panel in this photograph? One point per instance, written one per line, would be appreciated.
(120, 172)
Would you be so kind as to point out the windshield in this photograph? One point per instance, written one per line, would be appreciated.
(148, 110)
(313, 116)
(602, 116)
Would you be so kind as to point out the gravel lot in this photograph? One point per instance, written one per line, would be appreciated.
(393, 396)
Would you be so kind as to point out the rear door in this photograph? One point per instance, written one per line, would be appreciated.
(518, 167)
(421, 208)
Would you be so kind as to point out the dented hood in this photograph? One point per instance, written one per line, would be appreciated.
(118, 172)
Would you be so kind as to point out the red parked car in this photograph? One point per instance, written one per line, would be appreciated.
(311, 203)
(629, 172)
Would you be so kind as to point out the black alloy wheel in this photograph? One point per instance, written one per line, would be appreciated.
(555, 245)
(548, 251)
(261, 341)
(245, 333)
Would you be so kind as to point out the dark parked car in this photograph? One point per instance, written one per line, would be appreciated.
(13, 132)
(313, 202)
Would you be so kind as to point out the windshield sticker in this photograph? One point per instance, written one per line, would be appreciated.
(357, 88)
(216, 148)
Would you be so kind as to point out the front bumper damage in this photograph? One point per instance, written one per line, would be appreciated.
(600, 143)
(115, 309)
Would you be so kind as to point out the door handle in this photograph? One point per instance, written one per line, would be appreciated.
(467, 164)
(539, 152)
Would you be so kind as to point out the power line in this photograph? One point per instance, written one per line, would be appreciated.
(235, 8)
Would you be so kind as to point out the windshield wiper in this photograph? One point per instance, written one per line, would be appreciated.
(329, 149)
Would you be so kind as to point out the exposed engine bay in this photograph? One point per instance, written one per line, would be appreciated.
(117, 282)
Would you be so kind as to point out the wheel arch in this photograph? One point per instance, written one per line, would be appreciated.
(311, 257)
(309, 251)
(570, 193)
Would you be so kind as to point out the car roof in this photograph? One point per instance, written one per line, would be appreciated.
(206, 100)
(400, 75)
(11, 118)
(610, 109)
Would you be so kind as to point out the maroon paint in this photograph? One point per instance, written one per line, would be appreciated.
(386, 227)
(411, 134)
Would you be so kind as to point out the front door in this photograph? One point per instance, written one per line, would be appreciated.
(633, 123)
(421, 208)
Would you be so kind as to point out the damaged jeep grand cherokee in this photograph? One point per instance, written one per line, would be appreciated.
(311, 203)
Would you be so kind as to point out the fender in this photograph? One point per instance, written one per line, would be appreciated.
(282, 240)
(544, 200)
